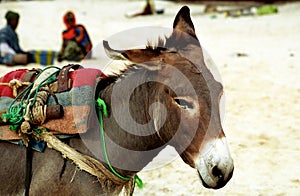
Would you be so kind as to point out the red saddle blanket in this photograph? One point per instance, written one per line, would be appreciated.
(75, 91)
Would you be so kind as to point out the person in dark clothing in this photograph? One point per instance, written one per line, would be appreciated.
(76, 41)
(10, 50)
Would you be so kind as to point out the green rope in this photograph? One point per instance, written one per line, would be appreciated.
(102, 108)
(16, 112)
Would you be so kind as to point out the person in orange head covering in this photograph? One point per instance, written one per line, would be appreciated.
(76, 41)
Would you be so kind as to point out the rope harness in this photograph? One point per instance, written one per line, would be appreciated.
(103, 109)
(27, 116)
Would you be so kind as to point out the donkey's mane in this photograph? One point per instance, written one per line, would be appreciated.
(172, 42)
(162, 43)
(158, 46)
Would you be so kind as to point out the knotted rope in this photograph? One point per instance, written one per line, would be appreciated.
(15, 84)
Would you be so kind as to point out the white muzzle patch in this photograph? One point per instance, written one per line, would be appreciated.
(215, 167)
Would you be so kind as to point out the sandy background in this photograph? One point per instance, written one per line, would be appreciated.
(262, 89)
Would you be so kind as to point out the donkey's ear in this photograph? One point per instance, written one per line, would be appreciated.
(141, 57)
(133, 55)
(183, 22)
(113, 54)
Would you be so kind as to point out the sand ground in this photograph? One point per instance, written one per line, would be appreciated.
(262, 88)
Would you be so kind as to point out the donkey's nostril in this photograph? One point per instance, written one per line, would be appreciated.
(217, 172)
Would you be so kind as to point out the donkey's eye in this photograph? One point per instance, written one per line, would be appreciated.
(184, 104)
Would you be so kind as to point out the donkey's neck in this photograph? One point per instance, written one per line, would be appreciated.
(131, 139)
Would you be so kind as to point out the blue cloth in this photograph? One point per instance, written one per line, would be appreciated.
(8, 58)
(9, 36)
(34, 144)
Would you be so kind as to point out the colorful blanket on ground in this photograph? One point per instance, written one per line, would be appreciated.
(43, 57)
(78, 101)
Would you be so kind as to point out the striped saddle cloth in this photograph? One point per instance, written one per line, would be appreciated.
(74, 90)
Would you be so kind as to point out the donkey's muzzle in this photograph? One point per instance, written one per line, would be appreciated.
(221, 182)
(215, 168)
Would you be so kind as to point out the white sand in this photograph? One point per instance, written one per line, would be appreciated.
(262, 120)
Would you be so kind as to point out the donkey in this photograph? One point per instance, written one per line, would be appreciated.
(165, 96)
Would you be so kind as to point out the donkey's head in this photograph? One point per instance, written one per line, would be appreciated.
(187, 116)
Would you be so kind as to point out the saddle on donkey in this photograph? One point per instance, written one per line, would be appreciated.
(60, 101)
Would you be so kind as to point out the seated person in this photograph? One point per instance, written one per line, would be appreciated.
(10, 51)
(76, 41)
